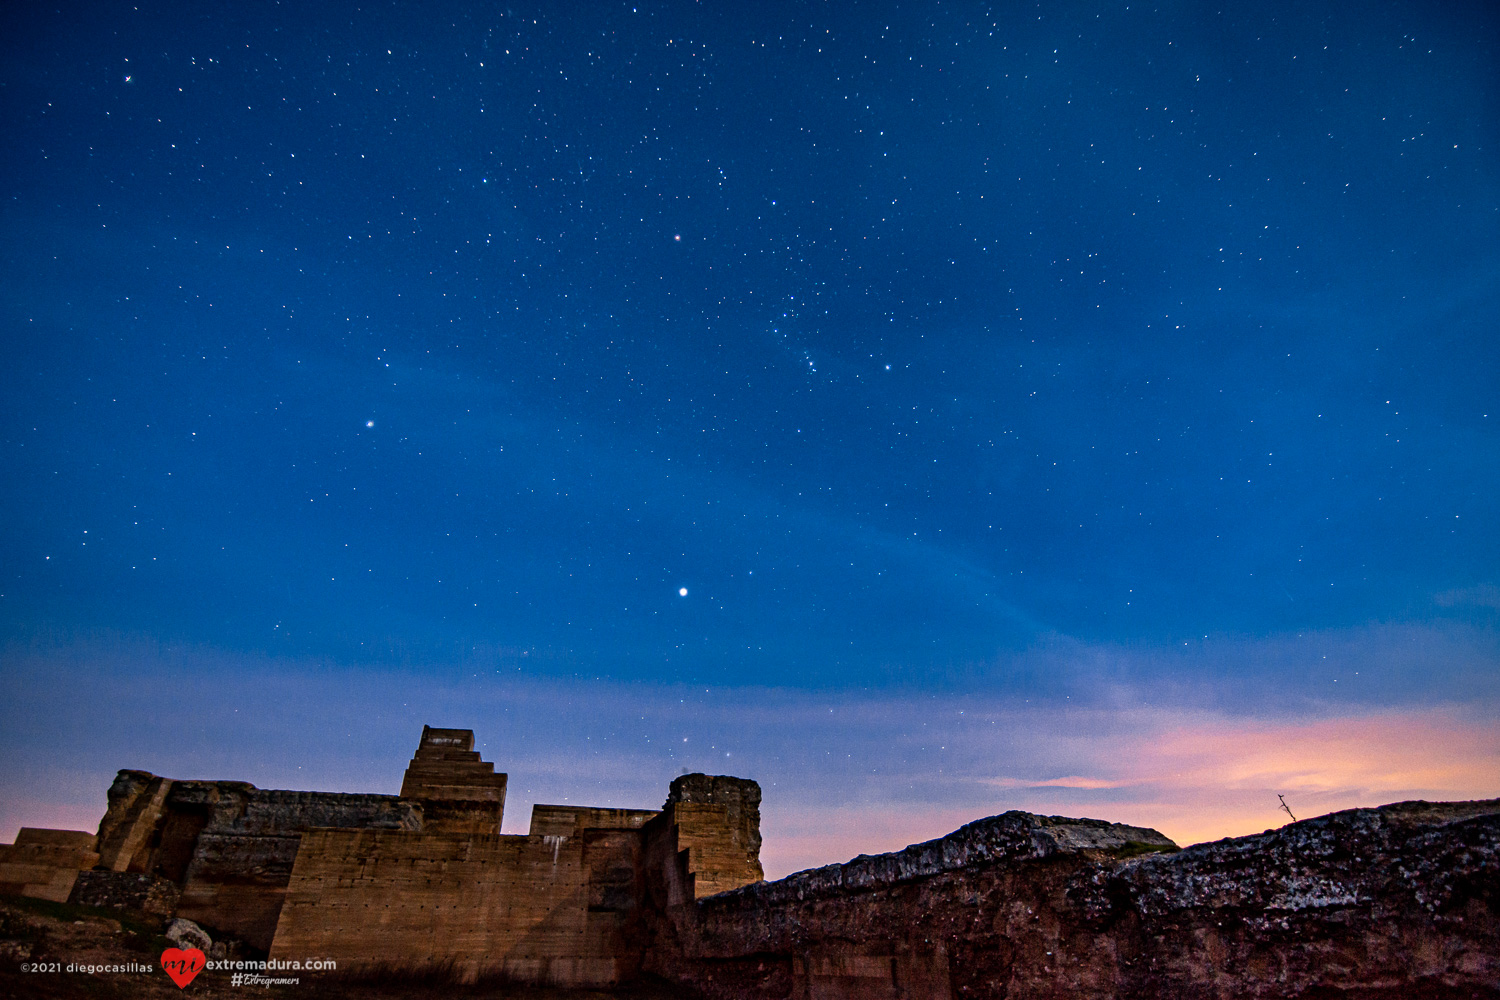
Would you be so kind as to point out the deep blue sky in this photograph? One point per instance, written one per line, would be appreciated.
(910, 339)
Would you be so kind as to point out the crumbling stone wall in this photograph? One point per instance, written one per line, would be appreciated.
(716, 819)
(1401, 901)
(126, 891)
(241, 859)
(228, 845)
(570, 904)
(135, 813)
(425, 880)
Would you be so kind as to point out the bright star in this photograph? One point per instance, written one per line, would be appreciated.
(681, 591)
(369, 423)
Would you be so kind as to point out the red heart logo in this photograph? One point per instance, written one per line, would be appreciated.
(183, 964)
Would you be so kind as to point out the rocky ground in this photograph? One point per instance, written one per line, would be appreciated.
(36, 933)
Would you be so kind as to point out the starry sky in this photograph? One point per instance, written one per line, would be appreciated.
(926, 409)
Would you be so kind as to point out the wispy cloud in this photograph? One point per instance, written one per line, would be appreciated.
(1071, 781)
(843, 772)
(1485, 595)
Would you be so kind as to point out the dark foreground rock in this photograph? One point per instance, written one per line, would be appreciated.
(61, 951)
(1400, 901)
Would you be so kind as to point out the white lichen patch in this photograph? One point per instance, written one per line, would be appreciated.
(1307, 892)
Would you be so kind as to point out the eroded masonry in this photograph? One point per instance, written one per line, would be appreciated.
(420, 879)
(1392, 902)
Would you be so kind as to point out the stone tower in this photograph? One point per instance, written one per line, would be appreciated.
(459, 792)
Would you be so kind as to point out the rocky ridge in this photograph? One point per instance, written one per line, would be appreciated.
(1399, 901)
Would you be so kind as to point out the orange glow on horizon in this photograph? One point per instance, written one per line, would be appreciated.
(1193, 776)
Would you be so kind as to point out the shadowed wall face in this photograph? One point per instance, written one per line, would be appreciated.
(227, 845)
(548, 908)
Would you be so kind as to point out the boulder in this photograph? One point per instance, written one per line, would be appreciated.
(186, 934)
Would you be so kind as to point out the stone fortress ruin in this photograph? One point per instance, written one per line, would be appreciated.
(410, 881)
(1375, 901)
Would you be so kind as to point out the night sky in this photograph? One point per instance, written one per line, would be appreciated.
(925, 409)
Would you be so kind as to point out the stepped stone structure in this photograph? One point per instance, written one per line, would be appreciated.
(459, 792)
(1394, 902)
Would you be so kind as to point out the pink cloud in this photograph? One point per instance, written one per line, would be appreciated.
(1071, 781)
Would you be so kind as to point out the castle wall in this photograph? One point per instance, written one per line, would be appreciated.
(423, 881)
(228, 845)
(570, 820)
(1392, 902)
(44, 864)
(565, 905)
(242, 855)
(556, 909)
(136, 809)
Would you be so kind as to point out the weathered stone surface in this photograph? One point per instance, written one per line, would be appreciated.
(716, 818)
(1012, 836)
(186, 934)
(1393, 902)
(569, 821)
(562, 906)
(239, 843)
(75, 840)
(126, 891)
(44, 864)
(228, 845)
(135, 812)
(550, 909)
